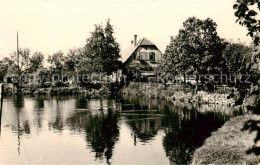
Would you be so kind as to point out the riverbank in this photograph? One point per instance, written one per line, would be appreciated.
(97, 89)
(230, 144)
(179, 93)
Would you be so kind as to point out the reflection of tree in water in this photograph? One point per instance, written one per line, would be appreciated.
(21, 126)
(58, 123)
(38, 108)
(184, 133)
(81, 102)
(79, 120)
(144, 122)
(40, 102)
(143, 128)
(18, 101)
(102, 133)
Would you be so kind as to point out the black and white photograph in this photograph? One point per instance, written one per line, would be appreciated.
(129, 82)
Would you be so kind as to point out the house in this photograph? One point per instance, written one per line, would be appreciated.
(143, 58)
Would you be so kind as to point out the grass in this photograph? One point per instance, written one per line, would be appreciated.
(229, 144)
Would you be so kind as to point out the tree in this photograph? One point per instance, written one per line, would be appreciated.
(27, 64)
(24, 60)
(8, 66)
(236, 56)
(170, 58)
(3, 70)
(94, 49)
(102, 50)
(57, 62)
(35, 62)
(247, 15)
(73, 60)
(110, 59)
(197, 48)
(253, 65)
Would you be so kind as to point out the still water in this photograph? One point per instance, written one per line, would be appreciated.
(82, 130)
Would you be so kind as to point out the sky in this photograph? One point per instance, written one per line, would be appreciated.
(52, 25)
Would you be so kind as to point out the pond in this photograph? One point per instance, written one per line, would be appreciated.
(83, 130)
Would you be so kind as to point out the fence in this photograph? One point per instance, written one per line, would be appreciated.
(223, 89)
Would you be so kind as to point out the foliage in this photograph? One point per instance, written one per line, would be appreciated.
(57, 62)
(112, 52)
(254, 65)
(27, 63)
(73, 60)
(94, 48)
(247, 15)
(3, 70)
(36, 62)
(24, 60)
(236, 56)
(170, 58)
(196, 49)
(102, 50)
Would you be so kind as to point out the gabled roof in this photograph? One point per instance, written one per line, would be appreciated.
(143, 42)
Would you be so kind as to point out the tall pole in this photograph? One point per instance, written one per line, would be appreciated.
(18, 52)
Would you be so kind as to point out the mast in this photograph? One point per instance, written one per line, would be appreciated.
(18, 66)
(18, 52)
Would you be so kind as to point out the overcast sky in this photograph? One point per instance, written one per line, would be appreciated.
(52, 25)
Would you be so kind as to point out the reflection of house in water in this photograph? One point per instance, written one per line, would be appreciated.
(143, 57)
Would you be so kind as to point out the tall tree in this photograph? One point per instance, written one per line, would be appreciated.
(94, 48)
(197, 47)
(111, 56)
(102, 49)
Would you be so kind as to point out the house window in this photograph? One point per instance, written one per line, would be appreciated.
(152, 56)
(137, 56)
(147, 56)
(134, 55)
(143, 55)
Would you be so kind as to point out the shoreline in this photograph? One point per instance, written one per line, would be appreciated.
(179, 93)
(230, 144)
(227, 145)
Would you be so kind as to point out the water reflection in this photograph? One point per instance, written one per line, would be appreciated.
(185, 128)
(183, 136)
(102, 133)
(104, 125)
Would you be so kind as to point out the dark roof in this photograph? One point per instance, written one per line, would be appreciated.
(143, 42)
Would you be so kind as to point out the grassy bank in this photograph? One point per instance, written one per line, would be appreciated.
(230, 144)
(177, 93)
(95, 89)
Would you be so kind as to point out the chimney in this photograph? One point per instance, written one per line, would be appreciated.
(135, 39)
(132, 42)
